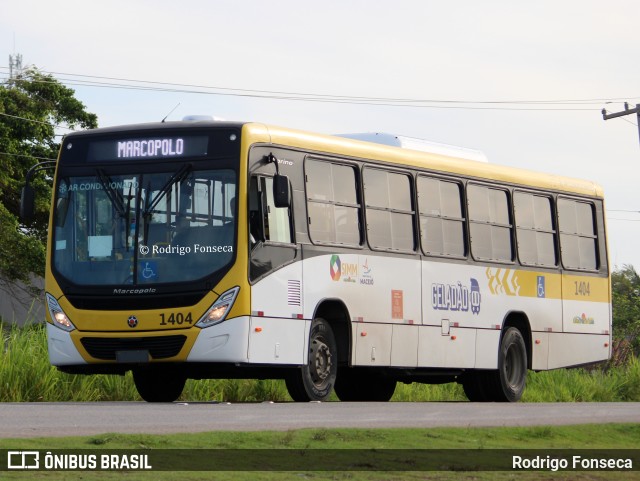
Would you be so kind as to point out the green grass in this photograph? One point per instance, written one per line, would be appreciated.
(587, 436)
(577, 385)
(25, 375)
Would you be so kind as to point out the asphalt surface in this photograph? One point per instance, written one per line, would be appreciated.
(26, 420)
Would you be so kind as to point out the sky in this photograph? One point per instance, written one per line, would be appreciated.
(524, 82)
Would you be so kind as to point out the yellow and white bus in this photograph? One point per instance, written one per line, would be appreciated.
(202, 249)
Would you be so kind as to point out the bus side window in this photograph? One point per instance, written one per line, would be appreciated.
(389, 210)
(333, 203)
(490, 223)
(277, 221)
(535, 230)
(578, 234)
(442, 220)
(266, 221)
(255, 212)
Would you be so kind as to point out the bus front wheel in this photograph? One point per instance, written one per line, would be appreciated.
(158, 385)
(315, 380)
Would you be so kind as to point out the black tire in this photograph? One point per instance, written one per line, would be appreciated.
(512, 366)
(473, 384)
(315, 381)
(507, 383)
(158, 385)
(358, 385)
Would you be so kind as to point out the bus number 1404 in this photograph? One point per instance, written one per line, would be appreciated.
(175, 319)
(582, 288)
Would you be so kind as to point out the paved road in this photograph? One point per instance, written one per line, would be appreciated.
(23, 420)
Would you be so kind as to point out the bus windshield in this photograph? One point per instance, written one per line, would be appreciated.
(144, 228)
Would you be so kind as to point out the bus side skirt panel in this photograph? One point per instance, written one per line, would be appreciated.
(278, 333)
(225, 342)
(278, 341)
(576, 349)
(487, 343)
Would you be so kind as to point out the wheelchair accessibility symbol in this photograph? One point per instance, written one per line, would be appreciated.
(541, 291)
(148, 271)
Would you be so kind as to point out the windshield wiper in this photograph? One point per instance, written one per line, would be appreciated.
(177, 177)
(117, 201)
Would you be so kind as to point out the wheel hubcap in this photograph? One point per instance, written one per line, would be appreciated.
(320, 362)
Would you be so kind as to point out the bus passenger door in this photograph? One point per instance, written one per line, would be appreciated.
(276, 279)
(270, 237)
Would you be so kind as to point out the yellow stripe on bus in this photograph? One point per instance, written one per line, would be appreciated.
(583, 288)
(513, 282)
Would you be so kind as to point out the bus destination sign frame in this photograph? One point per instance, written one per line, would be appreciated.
(149, 148)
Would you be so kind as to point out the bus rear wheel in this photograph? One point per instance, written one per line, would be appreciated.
(507, 383)
(315, 380)
(158, 385)
(510, 380)
(358, 385)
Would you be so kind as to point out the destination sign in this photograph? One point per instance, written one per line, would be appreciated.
(148, 148)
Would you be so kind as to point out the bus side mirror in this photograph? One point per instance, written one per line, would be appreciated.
(28, 196)
(281, 197)
(27, 203)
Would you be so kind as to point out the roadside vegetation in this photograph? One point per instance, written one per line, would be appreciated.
(26, 375)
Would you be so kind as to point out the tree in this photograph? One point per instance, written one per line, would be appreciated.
(625, 287)
(33, 106)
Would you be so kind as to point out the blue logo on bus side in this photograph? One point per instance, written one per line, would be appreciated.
(476, 297)
(456, 297)
(541, 290)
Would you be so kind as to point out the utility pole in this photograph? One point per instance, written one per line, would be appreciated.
(626, 111)
(15, 66)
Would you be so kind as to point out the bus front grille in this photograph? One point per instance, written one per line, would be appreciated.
(159, 347)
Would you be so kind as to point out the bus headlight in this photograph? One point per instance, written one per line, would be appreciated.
(58, 316)
(219, 310)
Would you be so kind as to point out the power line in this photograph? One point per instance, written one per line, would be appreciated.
(336, 100)
(339, 97)
(626, 211)
(36, 121)
(629, 122)
(597, 101)
(134, 84)
(24, 155)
